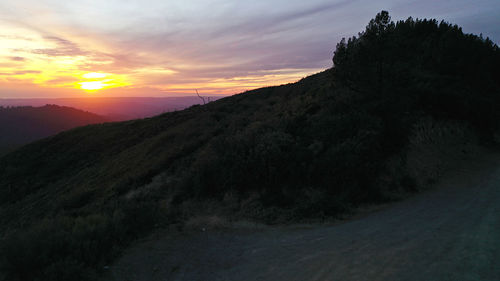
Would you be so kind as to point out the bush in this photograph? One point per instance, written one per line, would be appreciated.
(73, 247)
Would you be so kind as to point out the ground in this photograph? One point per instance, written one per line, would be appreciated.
(451, 232)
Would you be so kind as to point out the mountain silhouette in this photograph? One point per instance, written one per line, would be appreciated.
(20, 125)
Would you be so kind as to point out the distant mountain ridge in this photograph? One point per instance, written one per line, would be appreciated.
(116, 108)
(20, 125)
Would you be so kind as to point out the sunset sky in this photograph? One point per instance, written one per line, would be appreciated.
(62, 48)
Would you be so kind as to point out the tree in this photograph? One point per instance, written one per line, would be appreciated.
(422, 66)
(380, 24)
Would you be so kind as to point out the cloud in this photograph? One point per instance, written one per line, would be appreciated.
(63, 48)
(265, 24)
(218, 45)
(17, 58)
(62, 80)
(232, 46)
(20, 72)
(15, 37)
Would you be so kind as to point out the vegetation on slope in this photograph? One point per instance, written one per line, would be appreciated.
(312, 149)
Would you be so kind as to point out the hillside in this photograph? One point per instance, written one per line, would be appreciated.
(401, 100)
(24, 124)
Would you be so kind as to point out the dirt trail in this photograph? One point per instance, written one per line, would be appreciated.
(450, 233)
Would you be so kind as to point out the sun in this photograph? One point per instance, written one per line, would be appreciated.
(94, 81)
(94, 75)
(92, 85)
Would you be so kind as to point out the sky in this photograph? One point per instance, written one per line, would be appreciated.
(61, 48)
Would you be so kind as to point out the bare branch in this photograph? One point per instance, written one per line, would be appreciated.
(202, 98)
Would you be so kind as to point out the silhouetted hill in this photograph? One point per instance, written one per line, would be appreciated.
(20, 125)
(403, 101)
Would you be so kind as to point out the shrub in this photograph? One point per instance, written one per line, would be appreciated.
(435, 147)
(72, 246)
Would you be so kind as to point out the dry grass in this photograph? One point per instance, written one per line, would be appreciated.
(437, 146)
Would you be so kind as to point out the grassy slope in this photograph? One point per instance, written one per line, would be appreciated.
(103, 158)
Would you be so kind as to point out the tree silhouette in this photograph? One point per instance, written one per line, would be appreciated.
(418, 64)
(380, 24)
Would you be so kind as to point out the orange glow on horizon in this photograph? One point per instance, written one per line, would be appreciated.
(36, 64)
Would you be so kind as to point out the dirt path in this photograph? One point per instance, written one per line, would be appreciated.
(450, 233)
